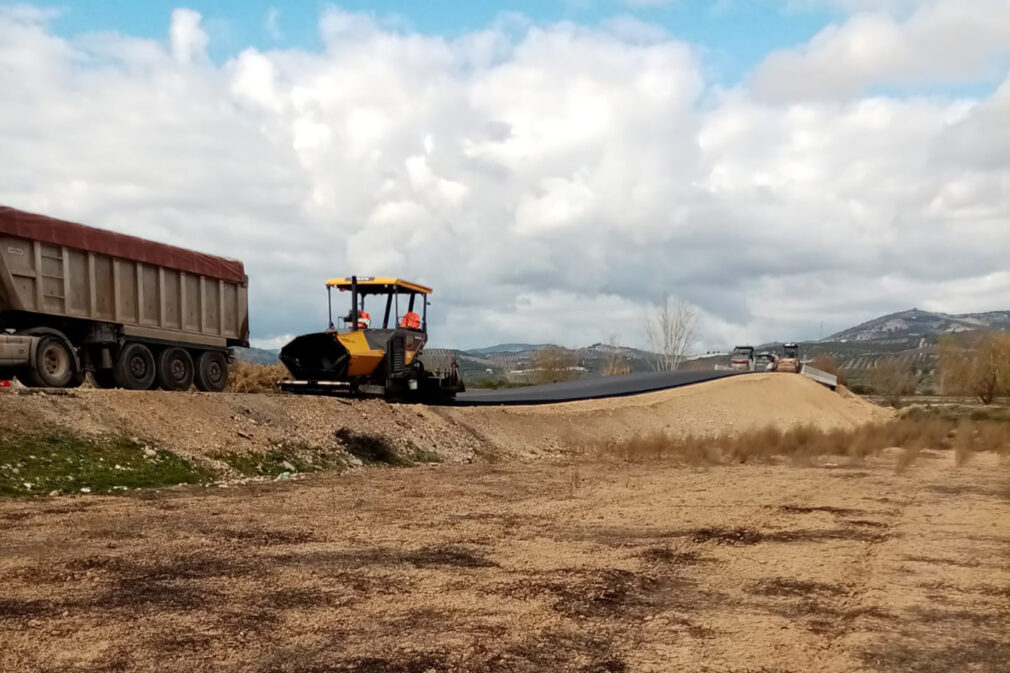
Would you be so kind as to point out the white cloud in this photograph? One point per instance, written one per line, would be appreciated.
(940, 42)
(188, 38)
(548, 181)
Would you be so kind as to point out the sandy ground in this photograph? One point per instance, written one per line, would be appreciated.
(196, 424)
(539, 566)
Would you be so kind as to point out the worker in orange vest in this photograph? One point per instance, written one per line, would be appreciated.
(364, 320)
(410, 321)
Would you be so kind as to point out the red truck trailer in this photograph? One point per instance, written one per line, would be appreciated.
(133, 313)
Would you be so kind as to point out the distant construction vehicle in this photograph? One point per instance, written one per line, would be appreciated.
(133, 313)
(369, 357)
(765, 361)
(790, 360)
(742, 358)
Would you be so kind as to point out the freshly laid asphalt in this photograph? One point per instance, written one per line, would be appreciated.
(589, 389)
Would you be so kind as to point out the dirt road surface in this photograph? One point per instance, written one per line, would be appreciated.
(538, 566)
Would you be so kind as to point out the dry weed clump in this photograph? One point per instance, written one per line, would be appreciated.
(964, 443)
(802, 444)
(249, 377)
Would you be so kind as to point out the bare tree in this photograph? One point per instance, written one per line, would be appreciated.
(554, 365)
(829, 365)
(614, 362)
(981, 370)
(893, 379)
(671, 330)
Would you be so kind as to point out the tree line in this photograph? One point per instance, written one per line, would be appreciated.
(976, 365)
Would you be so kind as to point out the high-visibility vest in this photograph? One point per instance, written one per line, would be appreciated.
(364, 320)
(411, 320)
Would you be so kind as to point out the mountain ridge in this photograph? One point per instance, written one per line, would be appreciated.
(916, 322)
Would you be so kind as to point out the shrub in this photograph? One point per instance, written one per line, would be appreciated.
(893, 380)
(804, 443)
(828, 364)
(553, 365)
(249, 377)
(981, 370)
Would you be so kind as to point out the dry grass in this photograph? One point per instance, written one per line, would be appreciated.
(804, 443)
(249, 377)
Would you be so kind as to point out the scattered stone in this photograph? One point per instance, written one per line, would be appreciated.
(85, 489)
(53, 494)
(149, 452)
(288, 466)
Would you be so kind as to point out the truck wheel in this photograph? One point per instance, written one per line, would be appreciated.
(211, 372)
(103, 378)
(175, 369)
(134, 369)
(53, 367)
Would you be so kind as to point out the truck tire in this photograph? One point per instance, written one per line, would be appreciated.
(54, 365)
(175, 369)
(211, 372)
(135, 368)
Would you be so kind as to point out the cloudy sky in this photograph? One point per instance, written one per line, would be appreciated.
(789, 167)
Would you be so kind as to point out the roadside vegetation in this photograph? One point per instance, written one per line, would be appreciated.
(980, 368)
(829, 365)
(670, 331)
(554, 365)
(65, 463)
(893, 380)
(251, 377)
(615, 363)
(804, 443)
(42, 464)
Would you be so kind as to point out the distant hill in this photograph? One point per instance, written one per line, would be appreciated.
(922, 324)
(506, 348)
(911, 336)
(516, 363)
(260, 356)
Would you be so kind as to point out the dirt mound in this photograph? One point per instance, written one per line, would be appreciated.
(720, 407)
(209, 425)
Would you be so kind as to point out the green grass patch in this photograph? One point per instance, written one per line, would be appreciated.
(269, 464)
(37, 464)
(286, 458)
(419, 454)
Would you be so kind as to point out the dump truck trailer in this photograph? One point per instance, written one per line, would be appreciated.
(133, 313)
